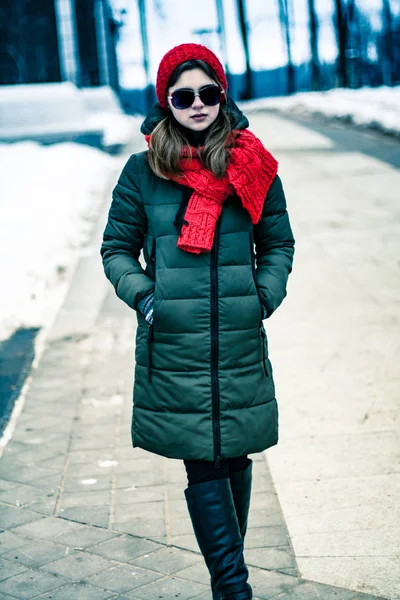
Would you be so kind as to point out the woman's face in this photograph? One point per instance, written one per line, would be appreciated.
(198, 116)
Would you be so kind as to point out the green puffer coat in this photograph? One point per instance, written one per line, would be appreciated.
(203, 381)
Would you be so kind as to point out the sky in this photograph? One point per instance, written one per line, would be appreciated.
(172, 22)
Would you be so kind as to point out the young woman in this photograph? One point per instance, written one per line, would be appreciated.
(199, 201)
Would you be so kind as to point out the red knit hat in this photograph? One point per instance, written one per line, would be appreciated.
(180, 54)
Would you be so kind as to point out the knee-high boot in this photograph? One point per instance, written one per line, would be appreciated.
(241, 491)
(213, 514)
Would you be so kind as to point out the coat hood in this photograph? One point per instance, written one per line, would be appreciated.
(157, 114)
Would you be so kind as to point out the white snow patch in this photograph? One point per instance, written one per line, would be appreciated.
(372, 107)
(107, 463)
(118, 129)
(49, 199)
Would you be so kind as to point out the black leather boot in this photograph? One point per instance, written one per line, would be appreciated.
(212, 511)
(241, 491)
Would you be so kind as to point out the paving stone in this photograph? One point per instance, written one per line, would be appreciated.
(267, 584)
(82, 484)
(25, 495)
(95, 515)
(124, 578)
(171, 587)
(50, 481)
(9, 541)
(125, 548)
(28, 474)
(177, 508)
(290, 571)
(46, 527)
(266, 537)
(174, 492)
(141, 479)
(181, 526)
(197, 572)
(84, 537)
(167, 560)
(6, 485)
(30, 584)
(136, 495)
(85, 498)
(187, 542)
(12, 517)
(264, 519)
(149, 510)
(316, 591)
(270, 558)
(47, 507)
(79, 566)
(143, 528)
(37, 553)
(9, 569)
(85, 456)
(77, 591)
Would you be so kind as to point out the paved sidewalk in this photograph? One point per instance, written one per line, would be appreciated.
(83, 516)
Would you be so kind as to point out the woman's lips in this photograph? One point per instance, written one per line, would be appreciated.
(198, 117)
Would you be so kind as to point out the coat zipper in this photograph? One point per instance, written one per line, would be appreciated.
(262, 333)
(214, 349)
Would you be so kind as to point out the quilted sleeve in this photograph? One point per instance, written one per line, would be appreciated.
(124, 237)
(274, 248)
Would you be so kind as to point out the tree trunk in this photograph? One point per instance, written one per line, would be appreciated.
(388, 63)
(222, 36)
(248, 91)
(285, 27)
(341, 33)
(145, 48)
(315, 70)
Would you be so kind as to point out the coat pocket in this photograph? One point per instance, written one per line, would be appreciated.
(253, 269)
(150, 337)
(263, 336)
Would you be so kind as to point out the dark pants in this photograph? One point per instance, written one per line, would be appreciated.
(199, 471)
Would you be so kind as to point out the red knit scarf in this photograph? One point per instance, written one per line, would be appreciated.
(250, 172)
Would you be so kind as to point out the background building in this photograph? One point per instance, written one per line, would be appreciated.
(43, 41)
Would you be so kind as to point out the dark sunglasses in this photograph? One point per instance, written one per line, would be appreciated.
(210, 95)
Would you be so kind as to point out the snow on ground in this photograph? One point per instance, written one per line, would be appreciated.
(373, 107)
(118, 128)
(49, 199)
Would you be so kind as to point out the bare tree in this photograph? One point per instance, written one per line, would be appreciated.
(285, 27)
(341, 36)
(222, 36)
(389, 62)
(315, 66)
(145, 48)
(248, 91)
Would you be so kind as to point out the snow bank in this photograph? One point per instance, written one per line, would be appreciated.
(49, 199)
(118, 129)
(372, 107)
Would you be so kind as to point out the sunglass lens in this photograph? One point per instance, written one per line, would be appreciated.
(182, 99)
(211, 95)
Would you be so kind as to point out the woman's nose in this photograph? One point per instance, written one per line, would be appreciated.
(197, 103)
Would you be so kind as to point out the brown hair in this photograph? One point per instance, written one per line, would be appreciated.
(167, 141)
